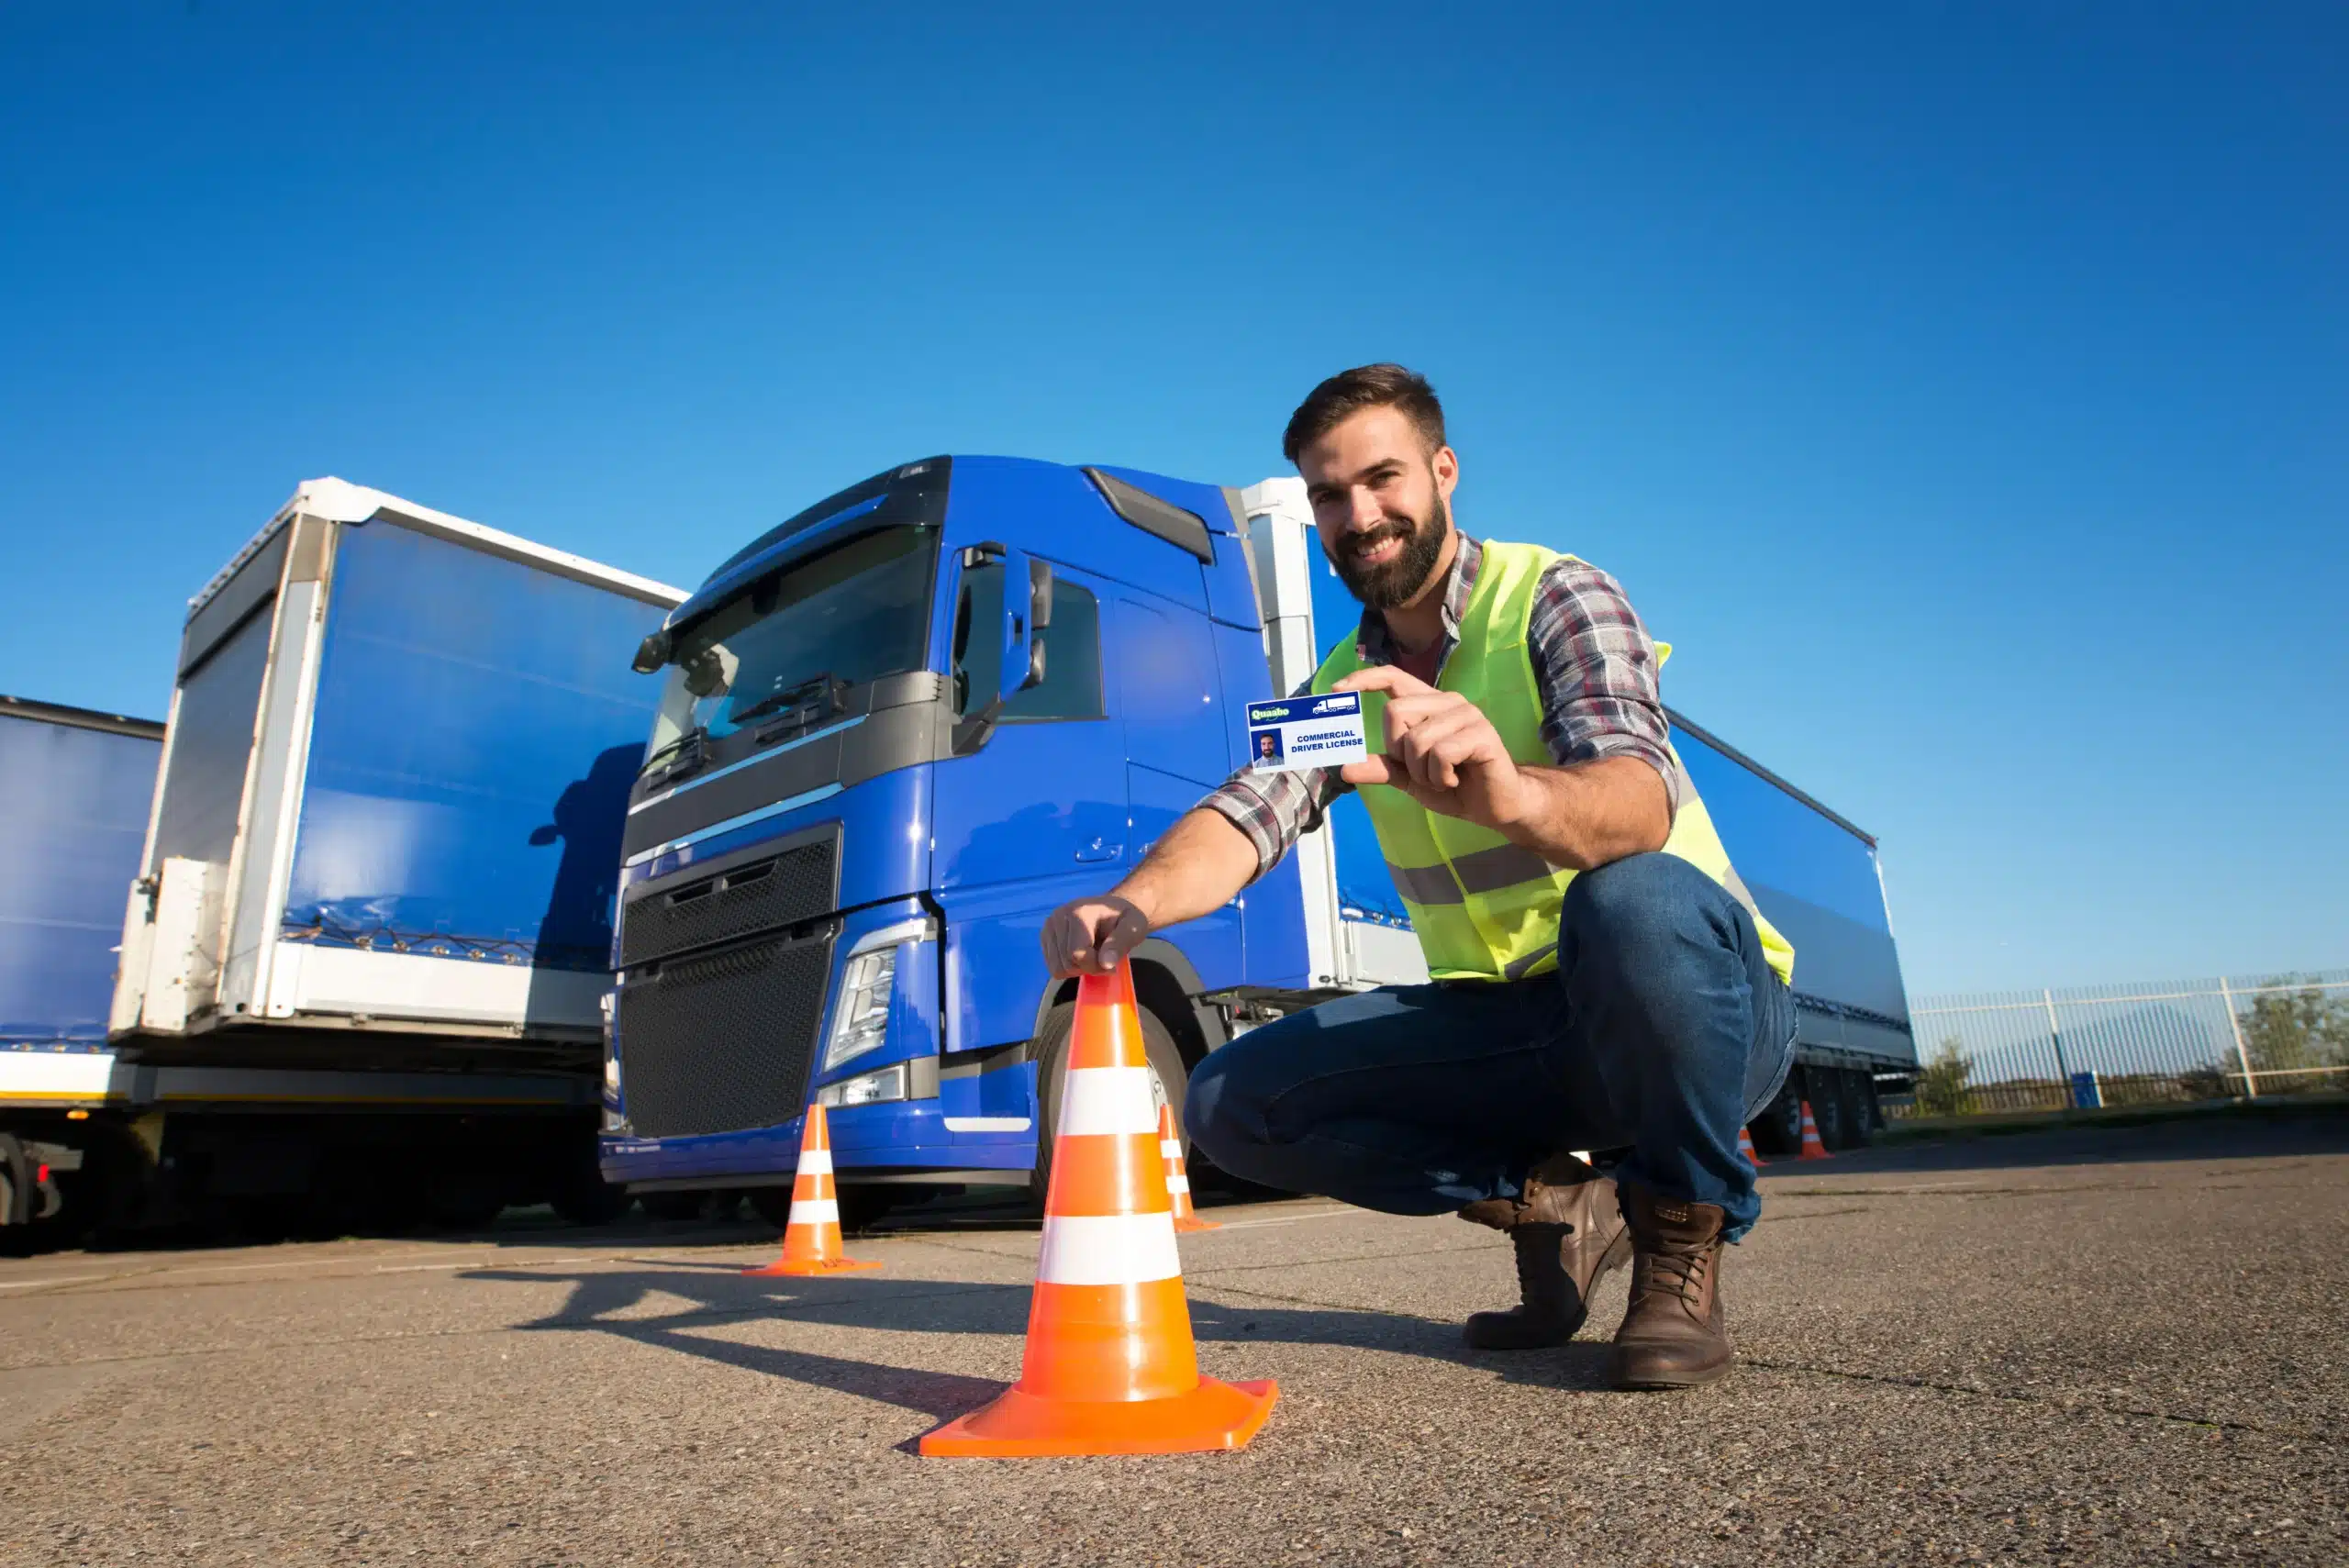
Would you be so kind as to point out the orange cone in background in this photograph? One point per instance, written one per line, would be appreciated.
(1178, 1185)
(811, 1242)
(1110, 1365)
(1812, 1149)
(1745, 1147)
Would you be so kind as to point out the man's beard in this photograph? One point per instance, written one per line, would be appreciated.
(1392, 584)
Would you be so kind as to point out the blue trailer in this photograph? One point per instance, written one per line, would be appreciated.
(903, 726)
(74, 789)
(364, 962)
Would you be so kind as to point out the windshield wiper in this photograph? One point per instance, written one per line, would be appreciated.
(811, 702)
(689, 744)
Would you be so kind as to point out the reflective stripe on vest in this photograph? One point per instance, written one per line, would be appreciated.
(1486, 908)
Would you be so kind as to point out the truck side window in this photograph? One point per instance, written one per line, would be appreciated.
(1072, 683)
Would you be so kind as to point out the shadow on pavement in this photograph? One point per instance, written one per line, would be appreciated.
(611, 1302)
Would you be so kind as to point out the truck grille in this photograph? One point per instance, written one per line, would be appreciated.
(782, 889)
(721, 1042)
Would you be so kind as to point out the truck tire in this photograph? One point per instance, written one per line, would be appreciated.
(1852, 1097)
(1822, 1089)
(1777, 1127)
(19, 1200)
(1169, 1079)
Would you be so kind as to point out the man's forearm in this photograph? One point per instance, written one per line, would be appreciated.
(1591, 814)
(1198, 866)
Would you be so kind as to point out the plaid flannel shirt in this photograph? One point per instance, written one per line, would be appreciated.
(1592, 659)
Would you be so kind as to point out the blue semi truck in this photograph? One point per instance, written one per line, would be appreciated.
(368, 864)
(901, 727)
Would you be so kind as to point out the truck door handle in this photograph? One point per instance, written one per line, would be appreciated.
(1099, 851)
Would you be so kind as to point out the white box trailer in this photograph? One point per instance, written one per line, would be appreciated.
(393, 778)
(363, 964)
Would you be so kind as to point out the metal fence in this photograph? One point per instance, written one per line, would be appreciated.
(2123, 1045)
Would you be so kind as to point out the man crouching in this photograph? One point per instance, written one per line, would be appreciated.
(1599, 978)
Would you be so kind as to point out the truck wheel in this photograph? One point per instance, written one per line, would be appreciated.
(1821, 1087)
(1168, 1079)
(1853, 1088)
(19, 1200)
(1777, 1128)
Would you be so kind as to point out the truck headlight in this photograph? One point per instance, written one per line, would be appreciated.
(868, 981)
(865, 1088)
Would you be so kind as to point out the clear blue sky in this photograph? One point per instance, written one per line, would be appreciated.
(1964, 389)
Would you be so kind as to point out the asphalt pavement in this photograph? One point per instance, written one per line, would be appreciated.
(2111, 1346)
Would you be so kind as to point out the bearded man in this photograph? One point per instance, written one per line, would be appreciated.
(1599, 979)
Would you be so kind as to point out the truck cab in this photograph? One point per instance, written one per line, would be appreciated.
(901, 728)
(898, 732)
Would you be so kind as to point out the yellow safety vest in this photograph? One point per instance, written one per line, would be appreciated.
(1486, 908)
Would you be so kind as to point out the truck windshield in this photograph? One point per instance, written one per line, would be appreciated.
(853, 614)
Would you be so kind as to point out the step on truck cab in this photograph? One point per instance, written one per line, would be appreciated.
(901, 728)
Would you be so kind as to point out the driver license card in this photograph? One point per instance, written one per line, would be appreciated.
(1305, 732)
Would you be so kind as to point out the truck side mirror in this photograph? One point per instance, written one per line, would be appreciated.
(651, 654)
(1040, 592)
(1023, 653)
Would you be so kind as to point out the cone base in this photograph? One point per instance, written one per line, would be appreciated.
(802, 1271)
(1018, 1425)
(1188, 1224)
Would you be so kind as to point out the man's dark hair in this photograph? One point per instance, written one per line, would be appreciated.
(1348, 393)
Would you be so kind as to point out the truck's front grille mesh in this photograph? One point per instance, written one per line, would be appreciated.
(722, 1042)
(781, 890)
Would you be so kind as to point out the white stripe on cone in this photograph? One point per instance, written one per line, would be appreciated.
(814, 1211)
(1108, 1100)
(1108, 1249)
(814, 1162)
(1170, 1148)
(1178, 1184)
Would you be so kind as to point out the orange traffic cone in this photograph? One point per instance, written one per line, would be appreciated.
(1812, 1149)
(811, 1240)
(1745, 1147)
(1178, 1185)
(1110, 1365)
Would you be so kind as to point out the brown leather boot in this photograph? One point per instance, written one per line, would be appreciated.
(1674, 1335)
(1568, 1232)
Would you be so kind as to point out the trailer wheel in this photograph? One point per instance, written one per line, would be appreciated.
(1854, 1093)
(19, 1195)
(1168, 1079)
(582, 1196)
(1823, 1088)
(1777, 1128)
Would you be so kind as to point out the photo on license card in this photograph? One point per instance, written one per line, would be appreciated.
(1305, 732)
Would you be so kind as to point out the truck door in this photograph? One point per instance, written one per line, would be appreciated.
(1031, 814)
(1178, 744)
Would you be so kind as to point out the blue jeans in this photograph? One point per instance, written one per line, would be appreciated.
(1663, 1030)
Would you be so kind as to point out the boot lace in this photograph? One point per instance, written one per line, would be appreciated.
(1680, 1271)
